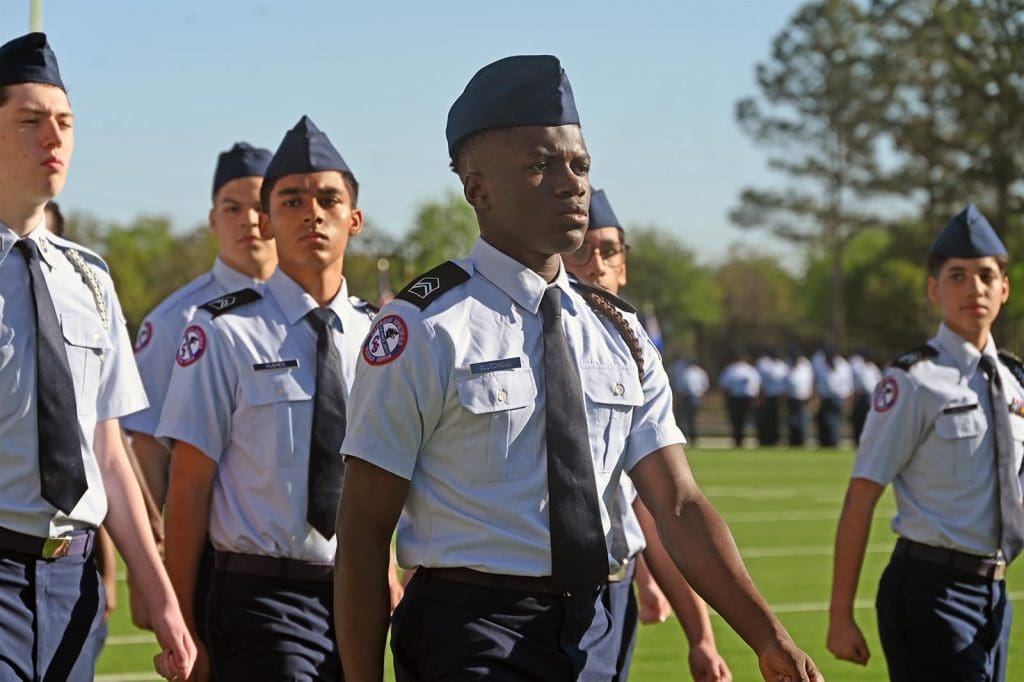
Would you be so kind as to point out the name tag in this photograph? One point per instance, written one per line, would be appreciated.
(279, 364)
(495, 365)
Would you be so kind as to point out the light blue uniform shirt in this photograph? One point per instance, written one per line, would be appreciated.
(928, 434)
(468, 431)
(800, 381)
(241, 392)
(740, 379)
(835, 381)
(106, 384)
(773, 372)
(157, 340)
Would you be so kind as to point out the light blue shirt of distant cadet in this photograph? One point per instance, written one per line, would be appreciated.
(929, 434)
(800, 381)
(773, 372)
(106, 383)
(835, 381)
(157, 340)
(469, 432)
(243, 396)
(740, 379)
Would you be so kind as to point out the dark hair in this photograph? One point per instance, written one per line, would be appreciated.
(934, 264)
(4, 95)
(464, 149)
(350, 184)
(57, 226)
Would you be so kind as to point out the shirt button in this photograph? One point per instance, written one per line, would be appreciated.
(280, 390)
(502, 396)
(619, 389)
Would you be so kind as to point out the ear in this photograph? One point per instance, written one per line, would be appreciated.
(474, 188)
(212, 220)
(266, 228)
(932, 286)
(1006, 288)
(356, 226)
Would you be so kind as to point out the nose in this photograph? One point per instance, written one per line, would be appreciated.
(570, 183)
(314, 214)
(51, 134)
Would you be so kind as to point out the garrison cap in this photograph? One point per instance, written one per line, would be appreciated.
(968, 235)
(241, 161)
(525, 90)
(304, 149)
(29, 59)
(601, 213)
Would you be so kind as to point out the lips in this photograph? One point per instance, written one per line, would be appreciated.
(53, 163)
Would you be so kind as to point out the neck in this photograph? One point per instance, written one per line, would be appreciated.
(21, 217)
(545, 265)
(256, 269)
(322, 284)
(976, 337)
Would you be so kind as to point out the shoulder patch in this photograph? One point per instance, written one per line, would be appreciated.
(386, 340)
(603, 293)
(1014, 364)
(227, 302)
(144, 336)
(886, 394)
(914, 356)
(429, 286)
(192, 345)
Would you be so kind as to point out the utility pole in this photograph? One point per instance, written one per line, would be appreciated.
(35, 15)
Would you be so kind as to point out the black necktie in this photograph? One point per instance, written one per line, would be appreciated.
(579, 557)
(61, 470)
(326, 466)
(1011, 513)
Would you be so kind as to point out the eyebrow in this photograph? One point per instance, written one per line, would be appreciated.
(45, 112)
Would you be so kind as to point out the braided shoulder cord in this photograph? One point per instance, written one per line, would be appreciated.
(89, 277)
(609, 311)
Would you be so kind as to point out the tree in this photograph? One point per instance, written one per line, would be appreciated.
(819, 85)
(663, 273)
(442, 230)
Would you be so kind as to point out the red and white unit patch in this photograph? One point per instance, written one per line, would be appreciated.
(386, 340)
(144, 337)
(886, 394)
(192, 345)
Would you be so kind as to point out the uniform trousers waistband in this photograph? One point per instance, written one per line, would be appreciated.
(990, 568)
(544, 584)
(273, 567)
(74, 544)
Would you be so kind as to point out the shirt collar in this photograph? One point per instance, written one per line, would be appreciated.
(965, 355)
(231, 279)
(521, 284)
(296, 302)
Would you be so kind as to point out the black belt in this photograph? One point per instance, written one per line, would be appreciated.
(76, 543)
(543, 584)
(991, 568)
(273, 567)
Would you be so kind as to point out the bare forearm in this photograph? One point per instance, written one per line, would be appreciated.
(126, 517)
(851, 543)
(703, 549)
(188, 519)
(154, 462)
(362, 605)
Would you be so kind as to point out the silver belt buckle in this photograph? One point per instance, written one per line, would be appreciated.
(619, 575)
(56, 548)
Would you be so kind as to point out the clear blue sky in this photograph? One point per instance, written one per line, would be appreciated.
(160, 87)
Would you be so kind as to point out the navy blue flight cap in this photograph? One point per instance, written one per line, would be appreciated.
(525, 90)
(241, 161)
(304, 149)
(968, 235)
(29, 59)
(601, 213)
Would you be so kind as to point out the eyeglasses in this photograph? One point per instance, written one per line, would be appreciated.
(611, 255)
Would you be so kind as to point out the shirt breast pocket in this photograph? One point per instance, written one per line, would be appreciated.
(962, 432)
(612, 395)
(281, 403)
(86, 342)
(494, 416)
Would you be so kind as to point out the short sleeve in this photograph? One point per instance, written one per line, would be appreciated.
(155, 347)
(397, 396)
(892, 431)
(120, 389)
(200, 397)
(654, 424)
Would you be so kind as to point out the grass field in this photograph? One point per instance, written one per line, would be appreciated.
(782, 506)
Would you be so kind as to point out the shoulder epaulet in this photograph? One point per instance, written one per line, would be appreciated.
(367, 307)
(912, 357)
(219, 306)
(429, 286)
(603, 293)
(1014, 364)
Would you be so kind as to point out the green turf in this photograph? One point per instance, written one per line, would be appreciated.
(782, 506)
